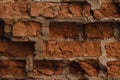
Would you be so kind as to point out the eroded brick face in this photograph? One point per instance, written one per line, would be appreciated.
(16, 49)
(99, 30)
(25, 29)
(114, 69)
(64, 30)
(12, 68)
(71, 49)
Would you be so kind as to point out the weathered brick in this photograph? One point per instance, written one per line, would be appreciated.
(114, 69)
(89, 67)
(70, 49)
(64, 30)
(16, 49)
(13, 9)
(25, 29)
(44, 9)
(51, 10)
(113, 49)
(99, 30)
(69, 10)
(107, 10)
(47, 67)
(12, 68)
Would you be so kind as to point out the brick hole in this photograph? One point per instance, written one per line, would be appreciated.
(64, 30)
(12, 69)
(2, 24)
(89, 67)
(76, 69)
(16, 49)
(48, 67)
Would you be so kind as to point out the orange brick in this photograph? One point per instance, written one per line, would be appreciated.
(99, 30)
(64, 30)
(13, 10)
(25, 29)
(70, 49)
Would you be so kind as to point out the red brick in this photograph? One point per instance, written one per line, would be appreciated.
(12, 68)
(70, 49)
(44, 9)
(69, 10)
(64, 10)
(99, 30)
(107, 10)
(48, 67)
(64, 30)
(89, 67)
(25, 29)
(114, 69)
(16, 49)
(113, 49)
(13, 10)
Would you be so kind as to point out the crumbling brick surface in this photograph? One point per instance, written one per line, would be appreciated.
(59, 40)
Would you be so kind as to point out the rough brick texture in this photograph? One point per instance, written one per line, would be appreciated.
(59, 40)
(69, 49)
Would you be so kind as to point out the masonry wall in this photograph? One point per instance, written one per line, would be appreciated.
(59, 40)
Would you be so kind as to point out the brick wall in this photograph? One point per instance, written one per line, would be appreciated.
(59, 40)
